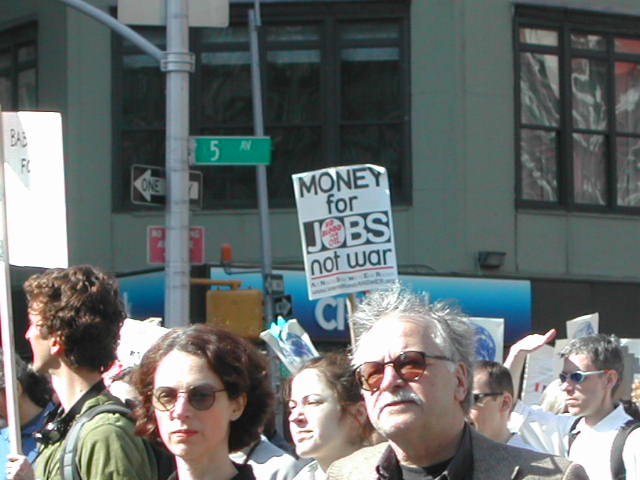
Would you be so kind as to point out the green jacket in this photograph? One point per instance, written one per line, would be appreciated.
(108, 449)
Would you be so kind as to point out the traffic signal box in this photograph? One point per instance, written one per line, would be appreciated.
(240, 311)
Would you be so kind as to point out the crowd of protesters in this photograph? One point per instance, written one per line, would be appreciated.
(408, 402)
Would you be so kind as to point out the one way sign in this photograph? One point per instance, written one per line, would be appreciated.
(148, 186)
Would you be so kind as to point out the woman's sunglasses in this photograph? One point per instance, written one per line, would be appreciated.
(410, 366)
(577, 376)
(201, 397)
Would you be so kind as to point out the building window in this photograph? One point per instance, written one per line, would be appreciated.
(578, 110)
(335, 92)
(18, 68)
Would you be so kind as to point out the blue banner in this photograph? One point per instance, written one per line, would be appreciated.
(326, 318)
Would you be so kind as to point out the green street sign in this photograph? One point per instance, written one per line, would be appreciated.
(229, 151)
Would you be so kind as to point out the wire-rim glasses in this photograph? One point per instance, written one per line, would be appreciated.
(201, 397)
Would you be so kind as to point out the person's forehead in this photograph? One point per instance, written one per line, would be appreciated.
(578, 361)
(309, 382)
(394, 334)
(480, 381)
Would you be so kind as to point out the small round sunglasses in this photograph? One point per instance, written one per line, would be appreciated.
(409, 365)
(201, 397)
(577, 376)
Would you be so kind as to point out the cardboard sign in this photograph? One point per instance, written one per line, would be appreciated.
(346, 229)
(584, 326)
(489, 335)
(540, 371)
(34, 186)
(136, 337)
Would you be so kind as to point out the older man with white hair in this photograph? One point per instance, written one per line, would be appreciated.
(413, 362)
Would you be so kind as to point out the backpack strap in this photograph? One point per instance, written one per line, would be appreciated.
(68, 465)
(573, 433)
(618, 470)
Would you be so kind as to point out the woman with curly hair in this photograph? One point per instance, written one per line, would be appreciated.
(205, 392)
(327, 416)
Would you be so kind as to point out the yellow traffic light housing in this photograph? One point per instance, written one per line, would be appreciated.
(240, 311)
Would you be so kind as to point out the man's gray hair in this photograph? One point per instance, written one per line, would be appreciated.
(604, 351)
(449, 327)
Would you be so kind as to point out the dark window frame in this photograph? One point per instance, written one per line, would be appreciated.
(566, 21)
(331, 123)
(12, 39)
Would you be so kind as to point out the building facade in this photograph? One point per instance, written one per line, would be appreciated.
(504, 125)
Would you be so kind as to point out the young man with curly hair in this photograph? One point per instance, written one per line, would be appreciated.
(75, 317)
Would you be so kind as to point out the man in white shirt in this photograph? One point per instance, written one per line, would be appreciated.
(492, 403)
(591, 374)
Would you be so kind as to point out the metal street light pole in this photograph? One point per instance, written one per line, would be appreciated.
(177, 62)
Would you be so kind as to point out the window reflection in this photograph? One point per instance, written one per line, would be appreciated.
(539, 89)
(589, 169)
(588, 41)
(537, 36)
(627, 45)
(589, 89)
(627, 82)
(628, 170)
(539, 165)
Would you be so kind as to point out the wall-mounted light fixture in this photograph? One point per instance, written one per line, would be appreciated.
(487, 259)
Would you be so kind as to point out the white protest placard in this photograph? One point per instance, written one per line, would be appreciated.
(540, 371)
(136, 337)
(34, 188)
(32, 221)
(631, 359)
(346, 229)
(583, 326)
(489, 338)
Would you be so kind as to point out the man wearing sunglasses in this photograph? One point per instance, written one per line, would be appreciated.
(492, 403)
(591, 375)
(75, 317)
(413, 362)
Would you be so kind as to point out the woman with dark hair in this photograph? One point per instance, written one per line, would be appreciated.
(327, 416)
(204, 392)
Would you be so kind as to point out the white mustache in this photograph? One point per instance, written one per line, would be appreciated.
(399, 396)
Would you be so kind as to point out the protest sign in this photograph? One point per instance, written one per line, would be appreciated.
(540, 371)
(346, 229)
(583, 326)
(290, 342)
(136, 337)
(34, 188)
(33, 227)
(489, 338)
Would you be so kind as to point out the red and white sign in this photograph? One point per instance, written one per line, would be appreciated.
(156, 244)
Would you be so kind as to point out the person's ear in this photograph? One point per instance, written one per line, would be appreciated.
(237, 406)
(55, 345)
(611, 378)
(462, 382)
(507, 402)
(358, 412)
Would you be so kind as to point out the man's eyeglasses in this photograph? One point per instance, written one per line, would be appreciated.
(410, 366)
(478, 397)
(201, 397)
(577, 376)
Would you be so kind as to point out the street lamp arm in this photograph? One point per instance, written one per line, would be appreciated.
(115, 25)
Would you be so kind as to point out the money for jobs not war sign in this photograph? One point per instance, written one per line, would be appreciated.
(346, 229)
